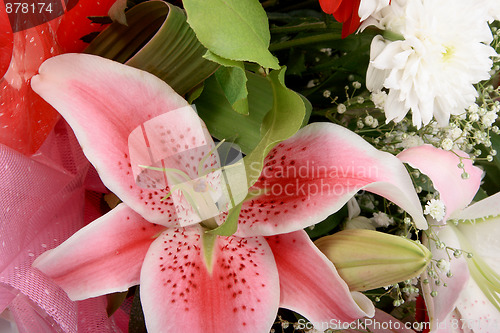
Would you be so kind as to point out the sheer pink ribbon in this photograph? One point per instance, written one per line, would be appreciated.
(43, 201)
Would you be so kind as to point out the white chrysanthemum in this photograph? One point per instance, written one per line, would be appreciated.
(431, 71)
(370, 7)
(435, 208)
(493, 7)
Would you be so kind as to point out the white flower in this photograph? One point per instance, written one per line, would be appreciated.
(474, 108)
(489, 118)
(370, 7)
(360, 222)
(431, 71)
(435, 208)
(443, 265)
(447, 144)
(369, 120)
(382, 219)
(378, 98)
(473, 117)
(455, 133)
(410, 141)
(341, 108)
(493, 8)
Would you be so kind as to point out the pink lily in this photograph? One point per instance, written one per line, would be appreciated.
(471, 300)
(191, 281)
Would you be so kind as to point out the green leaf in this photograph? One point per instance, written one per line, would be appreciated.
(233, 82)
(229, 226)
(158, 40)
(284, 120)
(208, 241)
(224, 123)
(327, 225)
(232, 29)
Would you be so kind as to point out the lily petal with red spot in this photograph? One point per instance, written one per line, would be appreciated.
(441, 167)
(180, 294)
(310, 284)
(314, 173)
(105, 256)
(104, 101)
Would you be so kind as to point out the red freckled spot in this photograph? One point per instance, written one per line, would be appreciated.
(172, 301)
(235, 310)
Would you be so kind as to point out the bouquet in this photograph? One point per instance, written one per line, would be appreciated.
(250, 166)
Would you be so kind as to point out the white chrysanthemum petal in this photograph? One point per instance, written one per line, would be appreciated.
(431, 71)
(370, 7)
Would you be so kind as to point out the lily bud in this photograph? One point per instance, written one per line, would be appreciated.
(368, 259)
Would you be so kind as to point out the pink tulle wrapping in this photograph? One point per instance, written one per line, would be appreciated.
(43, 201)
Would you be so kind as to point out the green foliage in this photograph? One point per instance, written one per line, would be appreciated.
(284, 120)
(232, 29)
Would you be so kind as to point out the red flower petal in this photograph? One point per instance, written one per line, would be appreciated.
(345, 11)
(25, 118)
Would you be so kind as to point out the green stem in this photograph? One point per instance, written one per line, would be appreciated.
(299, 28)
(304, 41)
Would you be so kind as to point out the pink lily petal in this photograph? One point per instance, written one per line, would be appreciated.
(313, 174)
(310, 284)
(440, 306)
(454, 323)
(179, 293)
(382, 322)
(476, 311)
(441, 167)
(394, 325)
(482, 238)
(104, 101)
(488, 207)
(103, 257)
